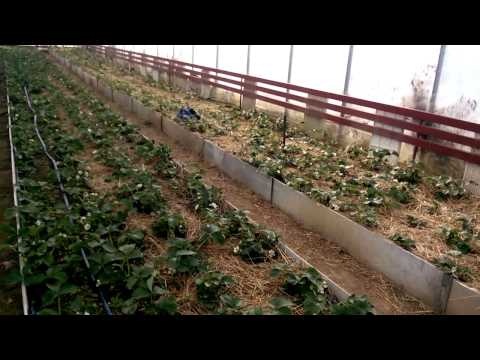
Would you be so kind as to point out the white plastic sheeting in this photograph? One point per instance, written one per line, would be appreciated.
(320, 67)
(269, 61)
(384, 72)
(459, 87)
(233, 58)
(205, 55)
(183, 53)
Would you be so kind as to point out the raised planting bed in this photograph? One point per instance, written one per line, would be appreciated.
(158, 240)
(433, 217)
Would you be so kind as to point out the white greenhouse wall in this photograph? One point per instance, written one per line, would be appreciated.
(233, 58)
(459, 87)
(205, 55)
(320, 66)
(384, 73)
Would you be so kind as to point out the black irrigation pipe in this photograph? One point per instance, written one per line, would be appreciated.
(105, 305)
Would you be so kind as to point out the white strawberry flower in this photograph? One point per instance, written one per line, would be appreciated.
(38, 223)
(87, 227)
(236, 249)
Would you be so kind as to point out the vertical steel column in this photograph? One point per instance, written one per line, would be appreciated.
(433, 97)
(190, 85)
(436, 82)
(346, 85)
(247, 72)
(172, 82)
(289, 78)
(248, 59)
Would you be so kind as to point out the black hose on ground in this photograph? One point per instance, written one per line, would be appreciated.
(105, 305)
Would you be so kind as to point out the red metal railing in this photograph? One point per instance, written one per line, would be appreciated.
(251, 87)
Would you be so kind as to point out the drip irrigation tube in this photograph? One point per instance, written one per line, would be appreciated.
(65, 199)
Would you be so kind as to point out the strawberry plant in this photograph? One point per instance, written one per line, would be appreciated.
(205, 200)
(210, 287)
(451, 267)
(410, 174)
(462, 238)
(324, 197)
(235, 223)
(414, 222)
(445, 187)
(229, 305)
(367, 217)
(354, 305)
(377, 159)
(169, 226)
(281, 306)
(258, 248)
(183, 258)
(403, 241)
(211, 233)
(400, 194)
(300, 184)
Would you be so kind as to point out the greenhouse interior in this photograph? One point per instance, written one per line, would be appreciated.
(239, 180)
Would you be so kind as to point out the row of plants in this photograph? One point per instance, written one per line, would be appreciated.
(115, 251)
(401, 202)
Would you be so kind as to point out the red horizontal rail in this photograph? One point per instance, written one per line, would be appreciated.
(181, 69)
